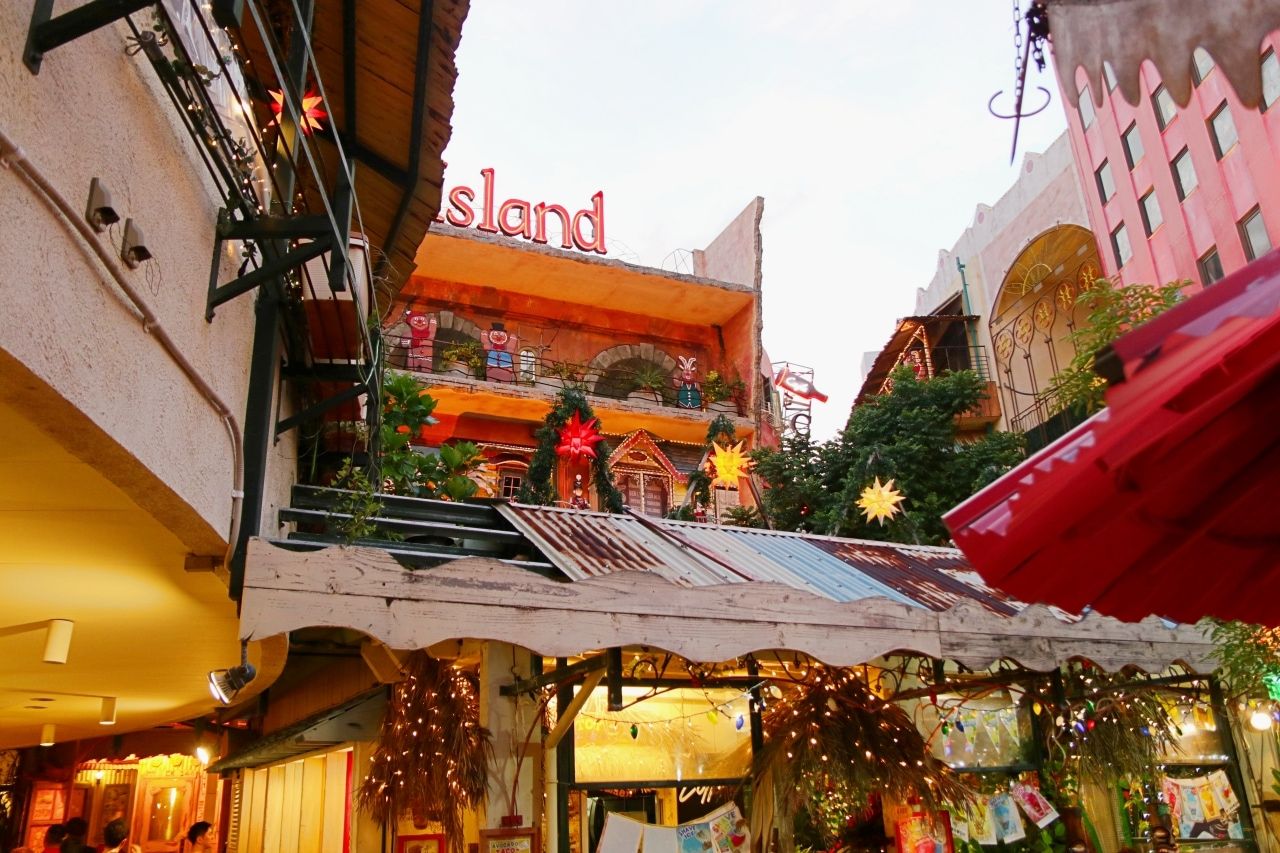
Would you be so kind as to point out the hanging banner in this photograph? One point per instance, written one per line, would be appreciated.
(1203, 807)
(724, 830)
(1006, 818)
(1038, 810)
(982, 828)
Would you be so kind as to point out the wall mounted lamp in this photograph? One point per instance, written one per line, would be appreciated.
(99, 211)
(46, 734)
(107, 717)
(133, 248)
(226, 684)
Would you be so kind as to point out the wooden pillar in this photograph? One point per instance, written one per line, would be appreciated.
(509, 719)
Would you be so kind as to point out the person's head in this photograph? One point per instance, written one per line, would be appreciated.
(55, 834)
(114, 833)
(198, 831)
(77, 827)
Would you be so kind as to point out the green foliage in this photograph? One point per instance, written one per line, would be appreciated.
(650, 377)
(469, 353)
(742, 516)
(1246, 654)
(406, 409)
(1113, 310)
(359, 504)
(538, 487)
(717, 387)
(907, 435)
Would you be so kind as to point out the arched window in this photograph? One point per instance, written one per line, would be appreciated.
(528, 366)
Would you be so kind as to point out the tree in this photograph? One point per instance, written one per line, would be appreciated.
(1113, 310)
(907, 435)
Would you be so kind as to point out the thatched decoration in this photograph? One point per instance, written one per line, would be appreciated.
(832, 733)
(432, 759)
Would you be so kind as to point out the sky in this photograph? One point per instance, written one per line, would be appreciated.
(862, 123)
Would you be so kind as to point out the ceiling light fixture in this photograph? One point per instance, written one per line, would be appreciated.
(57, 642)
(46, 734)
(107, 717)
(226, 684)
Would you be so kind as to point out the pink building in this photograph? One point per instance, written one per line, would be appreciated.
(1180, 193)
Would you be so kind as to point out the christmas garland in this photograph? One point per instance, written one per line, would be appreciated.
(538, 487)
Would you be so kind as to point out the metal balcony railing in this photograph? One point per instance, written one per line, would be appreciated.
(956, 358)
(524, 369)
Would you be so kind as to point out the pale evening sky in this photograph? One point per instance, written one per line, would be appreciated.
(863, 123)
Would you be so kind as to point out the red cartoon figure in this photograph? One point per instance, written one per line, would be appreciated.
(422, 333)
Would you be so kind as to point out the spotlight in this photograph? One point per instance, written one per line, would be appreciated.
(57, 642)
(226, 684)
(1260, 720)
(46, 734)
(202, 754)
(107, 716)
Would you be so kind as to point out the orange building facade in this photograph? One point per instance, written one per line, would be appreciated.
(496, 327)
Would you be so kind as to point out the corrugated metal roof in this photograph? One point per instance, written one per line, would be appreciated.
(590, 544)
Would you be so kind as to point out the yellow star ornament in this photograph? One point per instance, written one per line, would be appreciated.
(880, 501)
(730, 464)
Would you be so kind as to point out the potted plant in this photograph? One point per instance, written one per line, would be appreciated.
(649, 384)
(462, 359)
(562, 374)
(721, 394)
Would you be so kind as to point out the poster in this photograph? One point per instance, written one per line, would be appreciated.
(420, 844)
(982, 828)
(1004, 813)
(1038, 810)
(919, 831)
(620, 835)
(523, 840)
(959, 827)
(1203, 807)
(660, 839)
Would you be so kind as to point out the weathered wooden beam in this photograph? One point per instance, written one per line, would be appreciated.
(575, 705)
(384, 662)
(366, 590)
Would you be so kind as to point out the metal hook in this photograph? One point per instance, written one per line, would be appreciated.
(1018, 114)
(1048, 97)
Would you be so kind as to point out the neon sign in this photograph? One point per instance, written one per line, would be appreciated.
(516, 217)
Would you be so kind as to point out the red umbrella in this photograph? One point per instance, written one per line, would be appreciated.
(1168, 500)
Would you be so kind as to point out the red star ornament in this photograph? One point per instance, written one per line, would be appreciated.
(578, 439)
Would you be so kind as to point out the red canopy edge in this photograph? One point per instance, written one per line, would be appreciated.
(1168, 501)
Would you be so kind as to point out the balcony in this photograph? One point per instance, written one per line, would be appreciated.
(629, 394)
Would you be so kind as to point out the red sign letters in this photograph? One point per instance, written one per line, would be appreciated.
(518, 218)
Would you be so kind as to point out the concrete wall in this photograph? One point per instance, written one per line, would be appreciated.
(1228, 189)
(95, 112)
(737, 255)
(1047, 194)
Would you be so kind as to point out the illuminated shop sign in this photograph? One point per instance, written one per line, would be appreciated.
(516, 217)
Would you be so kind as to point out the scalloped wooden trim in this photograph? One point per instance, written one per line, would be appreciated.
(366, 590)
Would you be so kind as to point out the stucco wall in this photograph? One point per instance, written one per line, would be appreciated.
(94, 112)
(1227, 189)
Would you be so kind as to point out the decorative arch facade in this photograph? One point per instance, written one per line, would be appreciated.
(1036, 311)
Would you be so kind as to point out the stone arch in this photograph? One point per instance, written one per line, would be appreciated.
(614, 357)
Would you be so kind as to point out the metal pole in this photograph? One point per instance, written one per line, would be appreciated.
(265, 360)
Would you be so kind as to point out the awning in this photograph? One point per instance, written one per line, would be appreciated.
(934, 326)
(355, 719)
(1167, 501)
(388, 72)
(1125, 33)
(703, 592)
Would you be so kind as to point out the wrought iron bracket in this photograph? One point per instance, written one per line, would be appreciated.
(271, 269)
(47, 32)
(317, 409)
(555, 676)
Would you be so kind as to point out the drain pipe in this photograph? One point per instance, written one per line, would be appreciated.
(13, 157)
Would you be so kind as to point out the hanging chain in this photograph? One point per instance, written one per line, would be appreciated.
(1017, 45)
(1037, 31)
